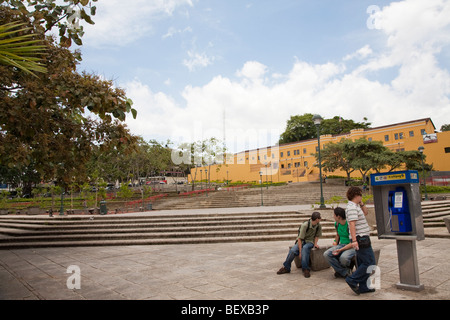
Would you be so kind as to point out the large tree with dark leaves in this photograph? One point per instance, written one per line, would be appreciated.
(52, 122)
(301, 127)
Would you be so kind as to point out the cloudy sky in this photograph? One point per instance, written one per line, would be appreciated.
(239, 69)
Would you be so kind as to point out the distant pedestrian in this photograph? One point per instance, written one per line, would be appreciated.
(308, 236)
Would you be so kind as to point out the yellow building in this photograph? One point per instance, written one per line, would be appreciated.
(295, 162)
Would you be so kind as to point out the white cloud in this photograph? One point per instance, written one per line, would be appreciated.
(360, 54)
(252, 70)
(174, 31)
(119, 23)
(257, 101)
(197, 60)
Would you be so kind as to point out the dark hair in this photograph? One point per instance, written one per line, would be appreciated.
(315, 216)
(352, 192)
(340, 212)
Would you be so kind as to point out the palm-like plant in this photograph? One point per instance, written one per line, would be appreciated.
(19, 49)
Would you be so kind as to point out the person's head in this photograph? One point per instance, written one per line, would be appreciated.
(315, 218)
(353, 193)
(339, 214)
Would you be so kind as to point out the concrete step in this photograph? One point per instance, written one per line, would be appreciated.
(21, 232)
(159, 241)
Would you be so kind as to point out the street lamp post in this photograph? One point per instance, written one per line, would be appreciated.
(421, 149)
(206, 175)
(61, 209)
(260, 176)
(317, 121)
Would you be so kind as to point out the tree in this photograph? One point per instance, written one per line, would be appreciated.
(335, 157)
(299, 128)
(44, 126)
(445, 127)
(48, 14)
(302, 127)
(20, 50)
(364, 155)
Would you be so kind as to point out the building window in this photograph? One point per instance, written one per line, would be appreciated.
(281, 154)
(288, 153)
(370, 139)
(423, 132)
(447, 150)
(304, 150)
(396, 136)
(386, 138)
(401, 135)
(306, 164)
(411, 133)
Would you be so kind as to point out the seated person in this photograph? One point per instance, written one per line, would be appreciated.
(340, 255)
(308, 235)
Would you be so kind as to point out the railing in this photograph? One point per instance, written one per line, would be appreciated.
(196, 192)
(437, 181)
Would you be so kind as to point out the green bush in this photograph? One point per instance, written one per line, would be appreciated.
(435, 189)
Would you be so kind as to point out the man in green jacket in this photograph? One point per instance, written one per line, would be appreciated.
(308, 236)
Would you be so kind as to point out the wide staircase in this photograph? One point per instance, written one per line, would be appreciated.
(154, 229)
(172, 227)
(292, 194)
(433, 213)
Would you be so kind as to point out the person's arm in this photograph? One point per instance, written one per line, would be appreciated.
(301, 236)
(316, 239)
(364, 208)
(347, 247)
(352, 228)
(336, 239)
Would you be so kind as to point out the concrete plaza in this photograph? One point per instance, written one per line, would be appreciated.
(225, 271)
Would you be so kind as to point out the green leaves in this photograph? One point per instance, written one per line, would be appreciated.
(20, 50)
(301, 127)
(48, 14)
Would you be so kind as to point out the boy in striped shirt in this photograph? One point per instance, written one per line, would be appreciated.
(360, 236)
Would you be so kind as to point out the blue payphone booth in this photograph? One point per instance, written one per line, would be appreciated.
(400, 217)
(398, 211)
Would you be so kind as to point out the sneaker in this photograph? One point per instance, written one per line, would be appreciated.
(368, 291)
(283, 270)
(354, 288)
(306, 273)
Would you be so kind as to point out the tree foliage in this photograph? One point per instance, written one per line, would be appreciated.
(365, 156)
(301, 127)
(123, 164)
(51, 123)
(46, 15)
(20, 50)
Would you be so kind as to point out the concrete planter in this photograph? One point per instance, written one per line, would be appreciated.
(33, 211)
(447, 223)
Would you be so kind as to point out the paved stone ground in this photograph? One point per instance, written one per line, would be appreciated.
(229, 271)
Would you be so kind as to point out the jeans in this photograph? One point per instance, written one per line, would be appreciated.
(341, 262)
(364, 258)
(294, 252)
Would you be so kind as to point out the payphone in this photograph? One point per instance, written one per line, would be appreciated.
(400, 217)
(398, 213)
